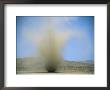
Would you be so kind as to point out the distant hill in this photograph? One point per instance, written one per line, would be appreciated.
(88, 61)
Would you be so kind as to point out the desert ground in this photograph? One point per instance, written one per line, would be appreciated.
(33, 66)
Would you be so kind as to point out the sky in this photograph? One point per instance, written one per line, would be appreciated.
(78, 48)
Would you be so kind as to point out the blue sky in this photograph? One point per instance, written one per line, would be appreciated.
(80, 47)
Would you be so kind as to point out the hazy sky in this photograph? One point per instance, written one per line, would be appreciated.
(80, 47)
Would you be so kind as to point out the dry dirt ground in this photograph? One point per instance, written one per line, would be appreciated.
(32, 66)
